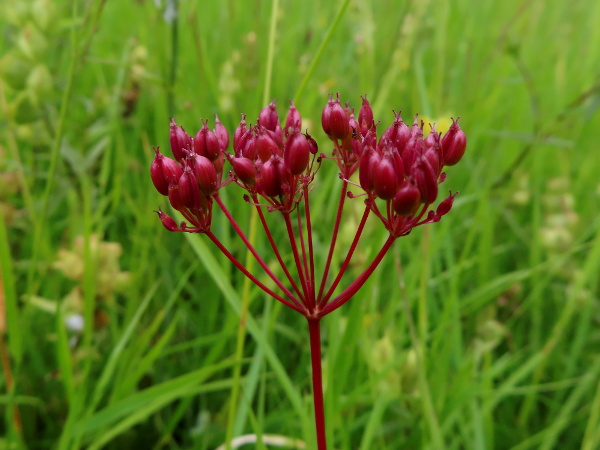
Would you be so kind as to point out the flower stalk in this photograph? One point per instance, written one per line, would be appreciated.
(398, 172)
(314, 329)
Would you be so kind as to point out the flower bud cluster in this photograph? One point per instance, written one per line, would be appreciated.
(402, 167)
(272, 161)
(191, 179)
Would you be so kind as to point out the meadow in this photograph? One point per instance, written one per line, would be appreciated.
(479, 332)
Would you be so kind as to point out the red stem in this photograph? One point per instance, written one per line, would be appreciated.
(309, 283)
(317, 380)
(359, 231)
(294, 304)
(292, 238)
(336, 228)
(276, 250)
(347, 293)
(311, 252)
(260, 261)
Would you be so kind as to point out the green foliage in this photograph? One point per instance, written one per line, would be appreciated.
(477, 332)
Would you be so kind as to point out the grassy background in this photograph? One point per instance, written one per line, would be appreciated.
(479, 332)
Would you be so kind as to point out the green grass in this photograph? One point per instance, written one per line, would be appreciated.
(479, 332)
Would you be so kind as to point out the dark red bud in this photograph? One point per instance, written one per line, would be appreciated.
(180, 141)
(277, 136)
(368, 161)
(370, 139)
(402, 136)
(433, 138)
(398, 166)
(293, 122)
(222, 134)
(445, 206)
(365, 116)
(354, 127)
(248, 149)
(268, 117)
(167, 221)
(269, 182)
(245, 170)
(433, 157)
(156, 173)
(205, 173)
(296, 154)
(335, 120)
(174, 197)
(385, 180)
(417, 128)
(188, 189)
(426, 180)
(239, 132)
(265, 146)
(398, 133)
(411, 152)
(454, 144)
(407, 199)
(206, 143)
(171, 170)
(219, 163)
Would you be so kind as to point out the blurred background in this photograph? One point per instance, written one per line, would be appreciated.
(479, 332)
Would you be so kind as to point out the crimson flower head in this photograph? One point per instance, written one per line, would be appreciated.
(399, 173)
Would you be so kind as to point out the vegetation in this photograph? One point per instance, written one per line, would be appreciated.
(481, 331)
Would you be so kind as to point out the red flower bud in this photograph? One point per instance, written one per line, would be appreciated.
(180, 141)
(407, 199)
(265, 146)
(417, 127)
(249, 146)
(239, 132)
(370, 140)
(368, 161)
(433, 157)
(426, 180)
(174, 197)
(269, 119)
(222, 134)
(277, 136)
(352, 123)
(293, 122)
(411, 152)
(268, 182)
(167, 221)
(365, 116)
(171, 170)
(205, 173)
(188, 189)
(445, 206)
(433, 138)
(206, 143)
(218, 164)
(398, 165)
(245, 170)
(454, 144)
(385, 180)
(156, 173)
(398, 133)
(335, 120)
(296, 154)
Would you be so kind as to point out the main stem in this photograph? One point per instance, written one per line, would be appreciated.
(314, 328)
